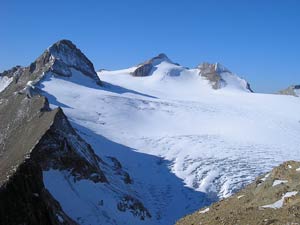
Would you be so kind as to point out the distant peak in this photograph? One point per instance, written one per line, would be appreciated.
(158, 59)
(146, 68)
(65, 55)
(213, 67)
(162, 56)
(63, 42)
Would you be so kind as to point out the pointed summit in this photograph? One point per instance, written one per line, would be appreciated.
(61, 59)
(146, 68)
(65, 56)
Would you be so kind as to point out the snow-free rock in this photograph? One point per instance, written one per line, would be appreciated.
(273, 198)
(146, 68)
(37, 142)
(293, 90)
(219, 76)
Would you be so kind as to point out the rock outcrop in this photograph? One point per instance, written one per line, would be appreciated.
(147, 68)
(273, 198)
(293, 90)
(60, 59)
(35, 139)
(214, 73)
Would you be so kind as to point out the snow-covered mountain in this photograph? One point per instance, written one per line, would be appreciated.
(185, 137)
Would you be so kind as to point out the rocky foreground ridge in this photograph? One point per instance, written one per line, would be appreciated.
(271, 199)
(35, 139)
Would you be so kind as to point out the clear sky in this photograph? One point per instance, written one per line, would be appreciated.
(257, 39)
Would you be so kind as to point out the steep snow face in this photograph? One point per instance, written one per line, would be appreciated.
(4, 82)
(183, 143)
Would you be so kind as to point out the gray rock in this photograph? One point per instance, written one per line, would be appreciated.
(34, 138)
(147, 68)
(293, 90)
(212, 72)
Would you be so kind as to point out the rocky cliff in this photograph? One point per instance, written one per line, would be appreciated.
(35, 139)
(218, 76)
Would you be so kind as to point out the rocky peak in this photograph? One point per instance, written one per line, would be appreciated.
(212, 72)
(61, 59)
(146, 68)
(65, 54)
(218, 76)
(293, 90)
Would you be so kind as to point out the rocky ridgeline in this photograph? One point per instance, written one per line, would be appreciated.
(34, 138)
(59, 59)
(212, 72)
(272, 199)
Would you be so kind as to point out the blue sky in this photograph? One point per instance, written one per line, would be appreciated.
(257, 39)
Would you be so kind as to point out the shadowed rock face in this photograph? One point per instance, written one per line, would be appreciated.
(255, 204)
(293, 90)
(60, 59)
(24, 199)
(34, 138)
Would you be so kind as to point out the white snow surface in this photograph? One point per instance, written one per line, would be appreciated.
(297, 92)
(204, 211)
(278, 204)
(277, 182)
(265, 177)
(184, 144)
(4, 82)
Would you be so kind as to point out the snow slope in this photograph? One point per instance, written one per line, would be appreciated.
(4, 82)
(183, 143)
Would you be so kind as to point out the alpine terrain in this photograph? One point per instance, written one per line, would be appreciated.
(147, 144)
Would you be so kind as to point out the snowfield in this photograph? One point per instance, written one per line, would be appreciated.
(184, 144)
(4, 82)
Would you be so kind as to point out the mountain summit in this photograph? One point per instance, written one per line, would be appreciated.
(146, 68)
(62, 59)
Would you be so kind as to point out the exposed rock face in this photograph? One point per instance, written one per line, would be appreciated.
(293, 90)
(272, 199)
(146, 68)
(35, 139)
(60, 59)
(24, 199)
(213, 73)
